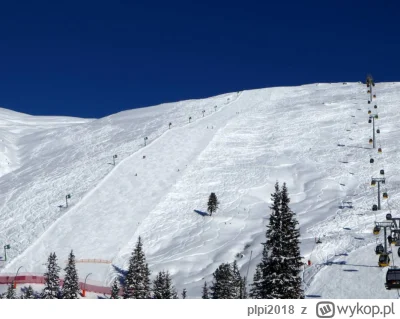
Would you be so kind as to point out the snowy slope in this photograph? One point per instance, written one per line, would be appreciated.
(238, 151)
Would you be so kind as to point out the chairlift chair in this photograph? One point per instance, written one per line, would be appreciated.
(384, 260)
(379, 249)
(369, 111)
(374, 208)
(370, 141)
(393, 278)
(378, 131)
(376, 116)
(375, 106)
(382, 172)
(388, 216)
(373, 183)
(369, 121)
(385, 195)
(379, 150)
(377, 230)
(374, 96)
(369, 102)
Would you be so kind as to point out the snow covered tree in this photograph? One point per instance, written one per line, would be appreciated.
(11, 294)
(213, 203)
(52, 279)
(238, 282)
(28, 293)
(115, 290)
(137, 281)
(70, 288)
(276, 276)
(291, 249)
(184, 293)
(205, 294)
(222, 286)
(163, 288)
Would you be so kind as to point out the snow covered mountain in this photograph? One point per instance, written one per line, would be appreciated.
(238, 148)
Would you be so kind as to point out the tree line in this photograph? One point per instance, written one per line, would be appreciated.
(277, 276)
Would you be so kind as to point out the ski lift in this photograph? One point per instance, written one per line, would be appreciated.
(378, 131)
(373, 84)
(375, 106)
(370, 141)
(374, 208)
(384, 260)
(371, 161)
(367, 85)
(379, 249)
(376, 116)
(369, 121)
(373, 183)
(382, 172)
(369, 102)
(389, 216)
(374, 96)
(369, 91)
(379, 150)
(385, 195)
(393, 278)
(377, 230)
(369, 111)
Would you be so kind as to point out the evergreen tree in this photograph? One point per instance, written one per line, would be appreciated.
(52, 279)
(28, 293)
(163, 288)
(291, 250)
(70, 288)
(184, 293)
(205, 294)
(11, 294)
(276, 276)
(115, 290)
(213, 203)
(238, 282)
(223, 285)
(137, 281)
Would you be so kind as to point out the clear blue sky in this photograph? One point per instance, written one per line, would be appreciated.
(95, 58)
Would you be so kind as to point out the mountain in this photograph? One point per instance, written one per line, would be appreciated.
(238, 148)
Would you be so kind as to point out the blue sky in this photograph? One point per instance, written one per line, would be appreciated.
(95, 58)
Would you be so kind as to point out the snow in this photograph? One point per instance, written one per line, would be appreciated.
(253, 139)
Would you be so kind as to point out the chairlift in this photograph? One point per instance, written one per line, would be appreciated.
(382, 172)
(371, 161)
(379, 249)
(377, 230)
(389, 216)
(373, 183)
(373, 84)
(393, 278)
(385, 195)
(369, 111)
(374, 96)
(378, 131)
(376, 116)
(375, 106)
(384, 260)
(369, 102)
(379, 150)
(370, 141)
(374, 208)
(369, 121)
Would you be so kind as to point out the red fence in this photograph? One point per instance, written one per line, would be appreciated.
(33, 279)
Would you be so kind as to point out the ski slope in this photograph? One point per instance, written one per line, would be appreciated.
(237, 150)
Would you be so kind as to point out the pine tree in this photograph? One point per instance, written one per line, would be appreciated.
(52, 279)
(276, 276)
(184, 293)
(291, 250)
(238, 282)
(205, 294)
(213, 203)
(222, 286)
(70, 288)
(137, 281)
(115, 290)
(163, 288)
(28, 293)
(11, 294)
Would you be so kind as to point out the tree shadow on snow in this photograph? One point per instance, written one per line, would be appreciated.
(350, 270)
(201, 213)
(313, 296)
(121, 274)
